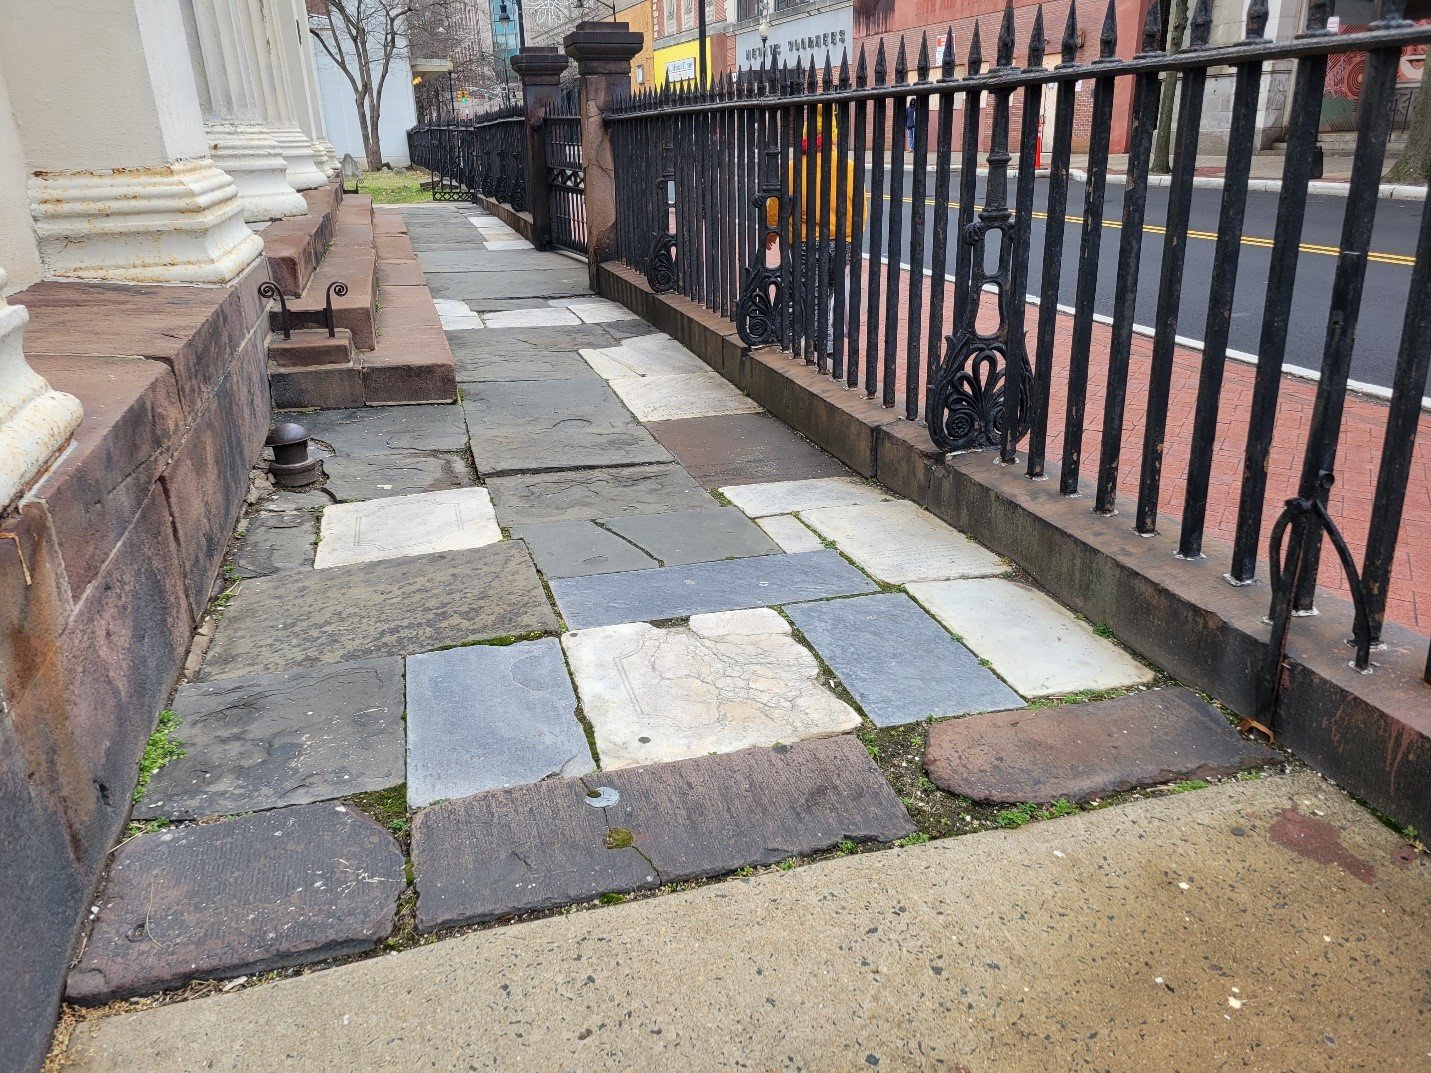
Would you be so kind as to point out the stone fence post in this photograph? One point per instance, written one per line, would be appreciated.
(603, 52)
(540, 70)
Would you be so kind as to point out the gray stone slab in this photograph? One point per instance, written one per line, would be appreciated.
(627, 329)
(479, 260)
(579, 548)
(565, 281)
(594, 493)
(489, 716)
(270, 740)
(394, 607)
(681, 591)
(275, 541)
(237, 897)
(541, 846)
(680, 537)
(487, 363)
(1083, 751)
(743, 449)
(556, 424)
(899, 663)
(376, 476)
(382, 429)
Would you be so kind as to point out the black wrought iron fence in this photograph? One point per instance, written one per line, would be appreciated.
(778, 198)
(566, 177)
(485, 155)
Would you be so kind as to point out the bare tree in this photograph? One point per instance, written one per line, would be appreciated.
(1415, 163)
(362, 37)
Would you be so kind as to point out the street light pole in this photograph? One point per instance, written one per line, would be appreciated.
(504, 16)
(701, 24)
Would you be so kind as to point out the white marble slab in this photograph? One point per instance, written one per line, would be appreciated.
(507, 244)
(672, 398)
(790, 533)
(1035, 644)
(646, 355)
(455, 315)
(595, 310)
(898, 542)
(729, 681)
(792, 497)
(406, 525)
(530, 318)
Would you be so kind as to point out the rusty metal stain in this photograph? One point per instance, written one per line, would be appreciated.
(1318, 841)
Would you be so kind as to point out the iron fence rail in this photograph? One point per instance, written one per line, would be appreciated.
(776, 197)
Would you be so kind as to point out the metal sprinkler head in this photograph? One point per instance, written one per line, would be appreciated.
(291, 467)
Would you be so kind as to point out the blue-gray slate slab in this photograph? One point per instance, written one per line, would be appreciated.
(682, 591)
(488, 716)
(899, 663)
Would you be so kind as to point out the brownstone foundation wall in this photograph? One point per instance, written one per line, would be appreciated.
(122, 540)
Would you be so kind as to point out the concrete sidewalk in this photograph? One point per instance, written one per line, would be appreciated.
(1267, 925)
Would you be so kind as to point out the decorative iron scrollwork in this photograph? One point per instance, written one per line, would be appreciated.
(760, 315)
(661, 264)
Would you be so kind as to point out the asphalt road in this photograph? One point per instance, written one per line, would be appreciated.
(1388, 274)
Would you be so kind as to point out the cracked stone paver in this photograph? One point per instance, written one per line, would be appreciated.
(451, 520)
(673, 398)
(898, 542)
(237, 897)
(487, 716)
(578, 548)
(541, 846)
(793, 497)
(898, 663)
(594, 493)
(680, 537)
(700, 588)
(1083, 751)
(595, 310)
(396, 473)
(303, 618)
(726, 681)
(269, 740)
(1037, 645)
(748, 448)
(642, 356)
(524, 426)
(275, 541)
(379, 430)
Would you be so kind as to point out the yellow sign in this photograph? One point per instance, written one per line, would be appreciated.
(677, 63)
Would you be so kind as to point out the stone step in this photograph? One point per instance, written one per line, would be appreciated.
(355, 266)
(295, 246)
(240, 896)
(556, 842)
(1079, 752)
(309, 347)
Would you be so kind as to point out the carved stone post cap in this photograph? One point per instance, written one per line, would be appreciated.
(603, 47)
(540, 66)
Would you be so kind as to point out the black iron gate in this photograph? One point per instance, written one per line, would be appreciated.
(566, 176)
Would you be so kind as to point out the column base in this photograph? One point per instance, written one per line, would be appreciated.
(329, 164)
(252, 159)
(297, 150)
(36, 421)
(181, 223)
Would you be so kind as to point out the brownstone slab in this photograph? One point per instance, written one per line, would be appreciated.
(391, 608)
(540, 846)
(1083, 751)
(743, 449)
(240, 896)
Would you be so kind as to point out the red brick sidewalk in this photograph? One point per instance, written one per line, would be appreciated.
(1409, 594)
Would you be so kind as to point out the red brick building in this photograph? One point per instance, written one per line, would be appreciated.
(891, 21)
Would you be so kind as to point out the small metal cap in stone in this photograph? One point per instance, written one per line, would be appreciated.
(291, 467)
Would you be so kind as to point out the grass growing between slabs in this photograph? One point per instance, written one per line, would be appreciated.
(396, 186)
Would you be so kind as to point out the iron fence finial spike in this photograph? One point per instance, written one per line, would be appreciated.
(921, 66)
(1108, 38)
(827, 75)
(1201, 24)
(946, 64)
(1005, 51)
(1317, 12)
(901, 64)
(1390, 13)
(976, 55)
(1153, 28)
(810, 76)
(1069, 46)
(881, 69)
(1037, 42)
(844, 68)
(861, 68)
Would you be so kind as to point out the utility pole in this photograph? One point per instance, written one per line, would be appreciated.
(1161, 164)
(701, 47)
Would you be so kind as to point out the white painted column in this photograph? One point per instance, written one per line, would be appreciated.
(298, 60)
(36, 421)
(263, 21)
(120, 183)
(238, 142)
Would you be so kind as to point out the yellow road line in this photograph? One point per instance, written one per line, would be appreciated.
(1211, 236)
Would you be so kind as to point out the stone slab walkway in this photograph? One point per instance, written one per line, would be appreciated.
(567, 640)
(1152, 937)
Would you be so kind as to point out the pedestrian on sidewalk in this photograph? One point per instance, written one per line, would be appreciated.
(911, 117)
